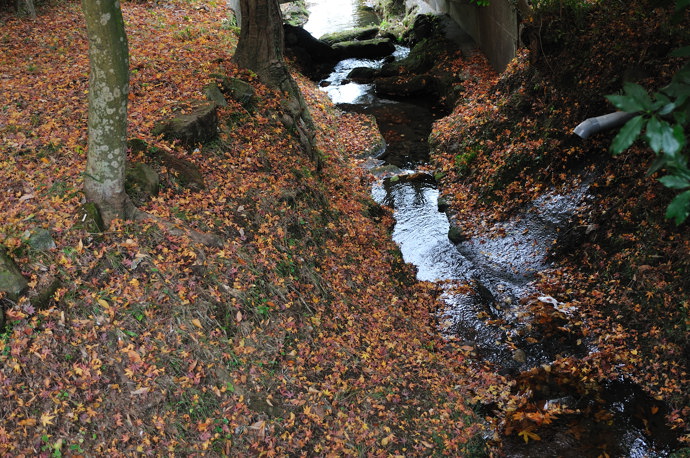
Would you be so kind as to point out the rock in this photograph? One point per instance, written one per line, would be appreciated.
(455, 235)
(416, 86)
(142, 179)
(198, 126)
(41, 240)
(239, 90)
(424, 27)
(317, 50)
(365, 49)
(362, 74)
(421, 58)
(385, 170)
(359, 33)
(443, 205)
(295, 13)
(12, 281)
(520, 356)
(213, 93)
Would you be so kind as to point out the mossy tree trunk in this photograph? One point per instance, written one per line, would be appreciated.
(260, 49)
(104, 181)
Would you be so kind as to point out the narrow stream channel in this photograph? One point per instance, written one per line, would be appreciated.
(498, 270)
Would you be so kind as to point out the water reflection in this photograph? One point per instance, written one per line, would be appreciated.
(327, 16)
(421, 230)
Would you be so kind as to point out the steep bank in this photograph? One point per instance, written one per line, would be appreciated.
(617, 263)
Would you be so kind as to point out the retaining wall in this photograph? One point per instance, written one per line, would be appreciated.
(494, 28)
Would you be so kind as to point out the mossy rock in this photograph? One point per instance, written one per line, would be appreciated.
(421, 58)
(198, 126)
(214, 94)
(365, 49)
(41, 240)
(295, 13)
(455, 235)
(239, 90)
(358, 33)
(12, 282)
(137, 145)
(443, 205)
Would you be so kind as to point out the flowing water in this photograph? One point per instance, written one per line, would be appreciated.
(499, 270)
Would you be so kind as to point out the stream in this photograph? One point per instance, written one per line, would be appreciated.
(497, 271)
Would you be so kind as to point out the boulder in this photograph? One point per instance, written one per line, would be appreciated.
(295, 12)
(317, 50)
(41, 239)
(397, 86)
(12, 281)
(198, 126)
(424, 26)
(455, 235)
(239, 90)
(214, 94)
(362, 75)
(365, 49)
(359, 33)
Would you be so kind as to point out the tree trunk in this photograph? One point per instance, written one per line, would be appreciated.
(104, 182)
(260, 49)
(261, 43)
(234, 6)
(28, 8)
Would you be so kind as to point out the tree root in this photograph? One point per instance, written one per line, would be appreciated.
(207, 239)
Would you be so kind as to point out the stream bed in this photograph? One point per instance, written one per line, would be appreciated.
(484, 279)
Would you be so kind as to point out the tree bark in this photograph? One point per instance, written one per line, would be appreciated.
(260, 49)
(104, 181)
(234, 6)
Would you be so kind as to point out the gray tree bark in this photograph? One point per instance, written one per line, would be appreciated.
(234, 6)
(104, 182)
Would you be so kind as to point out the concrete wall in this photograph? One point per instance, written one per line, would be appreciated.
(494, 28)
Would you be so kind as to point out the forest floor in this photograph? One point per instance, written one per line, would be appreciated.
(305, 333)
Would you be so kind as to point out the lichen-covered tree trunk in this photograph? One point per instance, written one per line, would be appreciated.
(108, 89)
(234, 6)
(260, 49)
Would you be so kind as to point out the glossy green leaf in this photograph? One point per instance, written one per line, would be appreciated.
(627, 135)
(661, 136)
(674, 182)
(679, 208)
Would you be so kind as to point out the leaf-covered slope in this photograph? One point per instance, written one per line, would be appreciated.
(303, 334)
